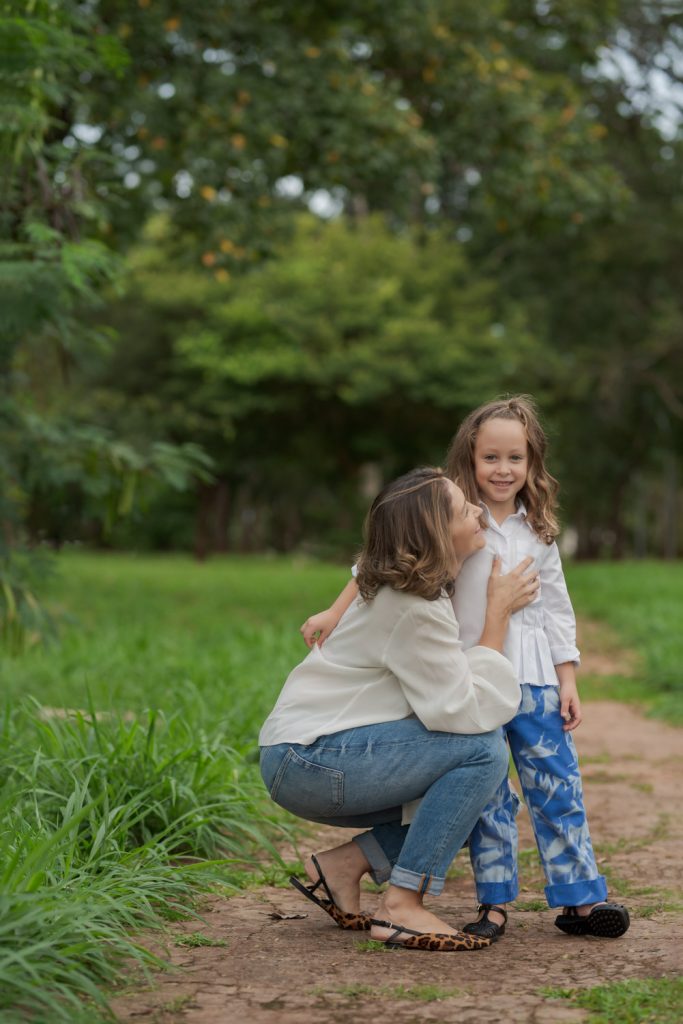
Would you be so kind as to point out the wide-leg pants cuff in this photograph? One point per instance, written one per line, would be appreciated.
(497, 892)
(380, 865)
(405, 879)
(576, 894)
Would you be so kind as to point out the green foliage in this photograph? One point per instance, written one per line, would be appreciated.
(50, 258)
(95, 812)
(184, 141)
(357, 315)
(53, 264)
(384, 108)
(375, 342)
(77, 472)
(74, 472)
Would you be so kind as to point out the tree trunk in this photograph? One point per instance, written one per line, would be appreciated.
(670, 516)
(212, 519)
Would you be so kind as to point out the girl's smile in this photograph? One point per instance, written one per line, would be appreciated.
(501, 464)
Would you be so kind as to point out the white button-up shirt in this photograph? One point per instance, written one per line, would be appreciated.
(539, 636)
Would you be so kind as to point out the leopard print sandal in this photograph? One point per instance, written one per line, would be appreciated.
(434, 942)
(351, 922)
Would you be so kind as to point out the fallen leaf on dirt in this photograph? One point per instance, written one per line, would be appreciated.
(277, 915)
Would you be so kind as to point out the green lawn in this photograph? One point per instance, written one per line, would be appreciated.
(642, 603)
(213, 640)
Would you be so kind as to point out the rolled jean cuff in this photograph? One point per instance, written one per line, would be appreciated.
(576, 894)
(380, 866)
(405, 879)
(497, 892)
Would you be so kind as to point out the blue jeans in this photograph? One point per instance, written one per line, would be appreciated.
(361, 777)
(546, 761)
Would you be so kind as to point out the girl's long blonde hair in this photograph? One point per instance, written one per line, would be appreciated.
(408, 544)
(539, 493)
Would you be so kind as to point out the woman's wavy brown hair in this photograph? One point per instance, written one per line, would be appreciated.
(408, 544)
(539, 493)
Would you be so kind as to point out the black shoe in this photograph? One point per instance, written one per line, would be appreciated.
(485, 928)
(606, 921)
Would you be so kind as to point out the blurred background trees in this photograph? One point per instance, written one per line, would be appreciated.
(304, 240)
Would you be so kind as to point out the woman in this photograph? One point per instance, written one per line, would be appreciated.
(393, 710)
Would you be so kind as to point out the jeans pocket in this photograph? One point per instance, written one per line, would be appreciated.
(307, 789)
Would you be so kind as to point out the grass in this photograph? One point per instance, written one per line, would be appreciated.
(372, 946)
(636, 1001)
(414, 993)
(107, 828)
(114, 818)
(642, 603)
(197, 939)
(656, 832)
(213, 641)
(529, 906)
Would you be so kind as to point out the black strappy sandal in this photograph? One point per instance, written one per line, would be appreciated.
(606, 921)
(353, 922)
(433, 942)
(484, 927)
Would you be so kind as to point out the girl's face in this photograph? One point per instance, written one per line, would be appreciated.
(501, 463)
(466, 533)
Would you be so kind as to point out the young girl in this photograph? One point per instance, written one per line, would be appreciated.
(497, 458)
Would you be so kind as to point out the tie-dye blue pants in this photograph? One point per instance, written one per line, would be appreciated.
(548, 769)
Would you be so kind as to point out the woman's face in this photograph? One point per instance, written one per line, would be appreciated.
(466, 531)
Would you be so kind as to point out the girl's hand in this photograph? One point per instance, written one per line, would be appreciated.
(570, 706)
(318, 627)
(514, 590)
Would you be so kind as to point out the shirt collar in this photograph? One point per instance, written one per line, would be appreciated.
(520, 513)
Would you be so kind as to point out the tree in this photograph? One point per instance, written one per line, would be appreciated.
(607, 295)
(502, 126)
(351, 346)
(228, 116)
(53, 264)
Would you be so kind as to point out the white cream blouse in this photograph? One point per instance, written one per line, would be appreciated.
(389, 658)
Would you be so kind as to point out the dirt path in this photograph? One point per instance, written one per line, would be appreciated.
(305, 969)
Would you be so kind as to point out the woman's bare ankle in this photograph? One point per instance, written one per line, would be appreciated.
(347, 860)
(396, 901)
(343, 867)
(402, 908)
